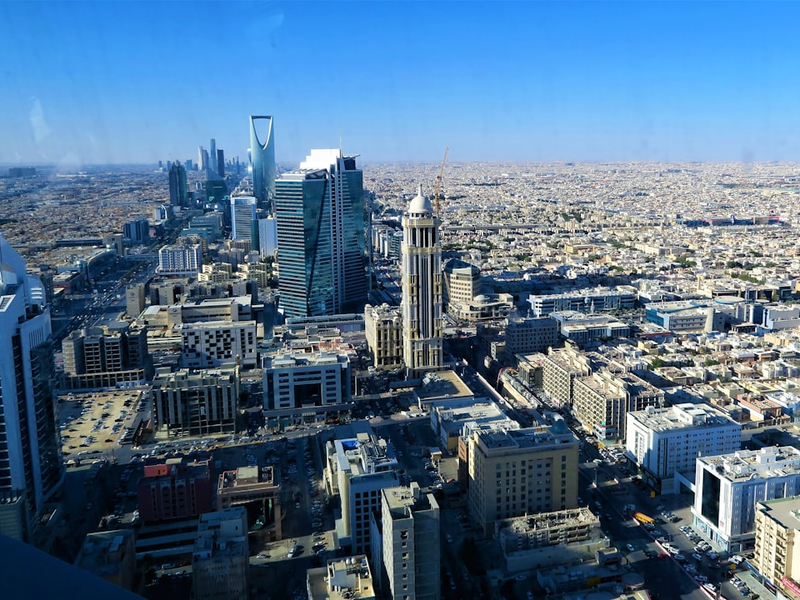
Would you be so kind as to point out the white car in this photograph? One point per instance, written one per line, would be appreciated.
(630, 547)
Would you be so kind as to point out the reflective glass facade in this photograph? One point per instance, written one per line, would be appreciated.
(262, 155)
(320, 217)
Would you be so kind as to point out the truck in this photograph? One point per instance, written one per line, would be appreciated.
(643, 518)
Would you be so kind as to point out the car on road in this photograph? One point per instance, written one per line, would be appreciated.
(697, 556)
(710, 587)
(630, 547)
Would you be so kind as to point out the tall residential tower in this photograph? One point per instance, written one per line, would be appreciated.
(31, 470)
(320, 215)
(422, 289)
(262, 155)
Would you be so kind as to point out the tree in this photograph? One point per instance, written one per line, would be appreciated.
(656, 363)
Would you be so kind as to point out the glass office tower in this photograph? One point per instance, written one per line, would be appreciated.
(320, 215)
(31, 470)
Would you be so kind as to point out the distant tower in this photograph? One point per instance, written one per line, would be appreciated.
(177, 185)
(263, 161)
(422, 289)
(213, 154)
(201, 159)
(220, 162)
(31, 470)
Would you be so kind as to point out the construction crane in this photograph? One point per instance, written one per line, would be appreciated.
(438, 187)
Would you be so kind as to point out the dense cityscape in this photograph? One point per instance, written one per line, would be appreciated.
(224, 378)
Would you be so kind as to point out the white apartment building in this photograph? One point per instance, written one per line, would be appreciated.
(729, 487)
(180, 259)
(410, 543)
(666, 441)
(359, 468)
(208, 345)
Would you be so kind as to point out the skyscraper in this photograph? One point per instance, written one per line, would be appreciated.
(243, 213)
(220, 162)
(201, 158)
(31, 470)
(422, 288)
(212, 165)
(319, 210)
(263, 161)
(177, 185)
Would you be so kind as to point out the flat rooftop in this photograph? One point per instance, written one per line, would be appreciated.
(772, 461)
(683, 416)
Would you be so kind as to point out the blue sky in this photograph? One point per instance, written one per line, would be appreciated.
(109, 81)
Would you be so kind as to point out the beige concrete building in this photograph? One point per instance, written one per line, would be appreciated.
(562, 367)
(384, 332)
(462, 282)
(196, 403)
(513, 473)
(110, 555)
(247, 485)
(410, 543)
(341, 579)
(134, 300)
(220, 563)
(549, 538)
(104, 356)
(441, 385)
(777, 557)
(602, 401)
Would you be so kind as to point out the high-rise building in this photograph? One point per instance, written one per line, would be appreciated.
(359, 469)
(319, 210)
(31, 470)
(220, 162)
(135, 300)
(202, 164)
(513, 473)
(267, 236)
(220, 565)
(212, 153)
(137, 232)
(243, 213)
(263, 160)
(410, 543)
(177, 185)
(183, 258)
(422, 288)
(383, 328)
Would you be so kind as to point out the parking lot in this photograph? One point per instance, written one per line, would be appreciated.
(96, 423)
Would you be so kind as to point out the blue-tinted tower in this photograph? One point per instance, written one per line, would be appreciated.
(263, 160)
(320, 217)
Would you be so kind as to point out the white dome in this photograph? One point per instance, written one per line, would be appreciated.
(420, 204)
